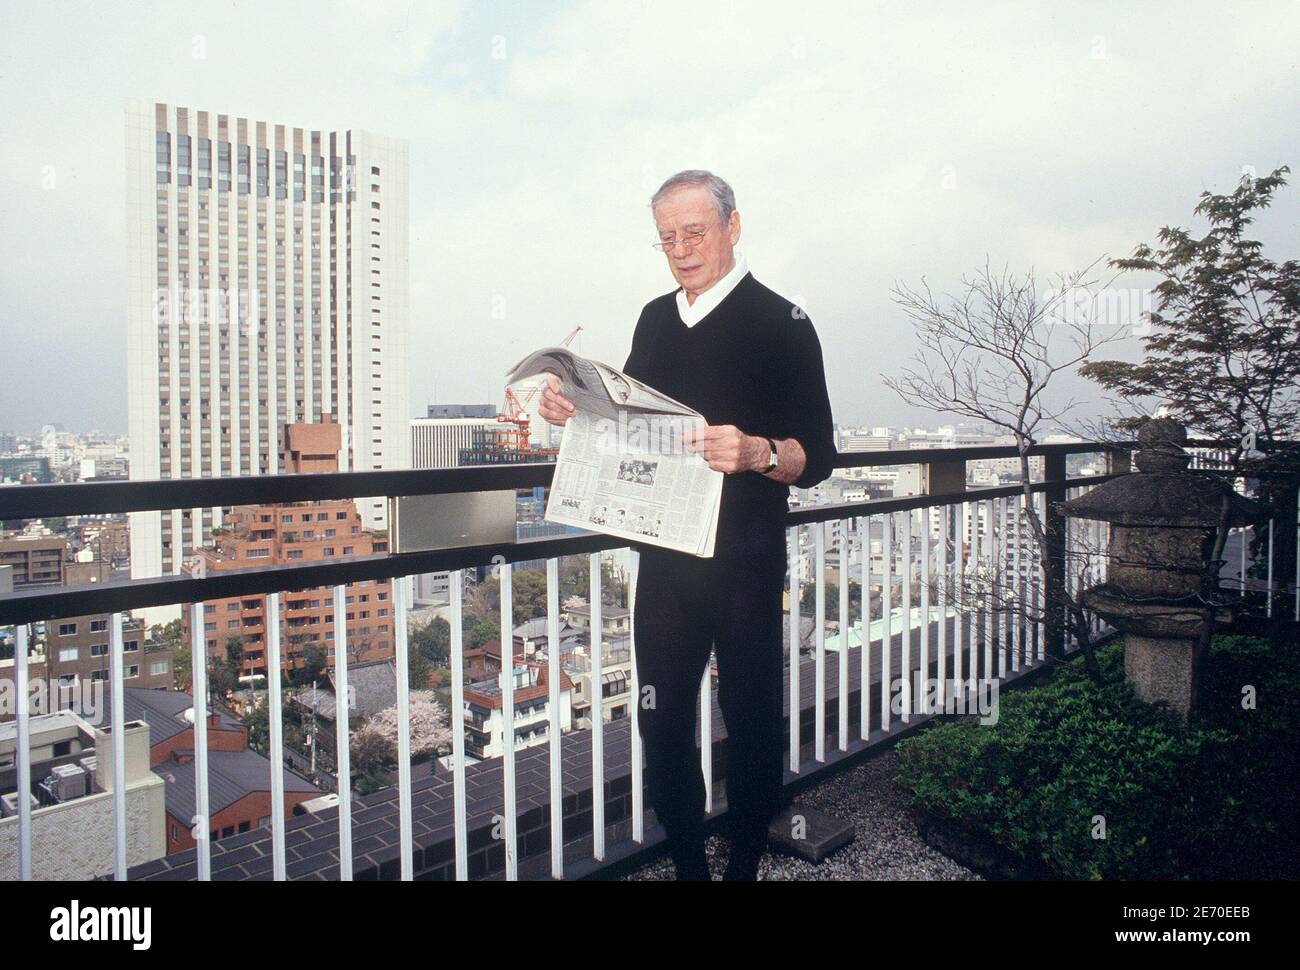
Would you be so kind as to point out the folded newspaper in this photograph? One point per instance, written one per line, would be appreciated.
(622, 468)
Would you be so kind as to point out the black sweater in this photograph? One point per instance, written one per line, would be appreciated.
(753, 361)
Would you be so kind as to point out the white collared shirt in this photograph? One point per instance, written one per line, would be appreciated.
(693, 313)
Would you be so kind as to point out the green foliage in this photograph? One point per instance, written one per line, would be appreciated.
(314, 660)
(418, 669)
(432, 642)
(1223, 350)
(1070, 750)
(808, 600)
(481, 631)
(258, 722)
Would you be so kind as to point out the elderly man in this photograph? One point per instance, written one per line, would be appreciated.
(750, 362)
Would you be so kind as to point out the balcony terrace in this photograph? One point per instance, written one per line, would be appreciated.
(574, 806)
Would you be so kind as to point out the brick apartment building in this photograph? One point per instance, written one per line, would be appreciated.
(298, 533)
(239, 779)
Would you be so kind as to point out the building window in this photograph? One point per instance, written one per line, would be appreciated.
(67, 629)
(157, 668)
(99, 649)
(130, 646)
(69, 655)
(98, 626)
(133, 671)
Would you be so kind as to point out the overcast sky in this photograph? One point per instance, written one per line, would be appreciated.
(867, 144)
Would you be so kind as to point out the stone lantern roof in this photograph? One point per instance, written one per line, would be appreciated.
(1163, 492)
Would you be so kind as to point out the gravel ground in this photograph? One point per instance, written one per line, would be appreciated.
(886, 844)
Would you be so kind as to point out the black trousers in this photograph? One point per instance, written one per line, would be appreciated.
(686, 605)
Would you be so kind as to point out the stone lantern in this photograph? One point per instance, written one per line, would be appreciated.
(1163, 519)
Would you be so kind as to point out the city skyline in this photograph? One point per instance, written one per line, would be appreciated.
(530, 179)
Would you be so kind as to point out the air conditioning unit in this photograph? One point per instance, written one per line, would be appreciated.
(9, 804)
(67, 782)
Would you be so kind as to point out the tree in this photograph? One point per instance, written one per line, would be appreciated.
(433, 641)
(221, 679)
(527, 599)
(371, 754)
(575, 580)
(428, 721)
(314, 661)
(419, 670)
(1222, 355)
(235, 657)
(172, 635)
(480, 632)
(808, 599)
(258, 722)
(990, 353)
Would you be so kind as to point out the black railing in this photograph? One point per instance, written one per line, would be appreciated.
(36, 604)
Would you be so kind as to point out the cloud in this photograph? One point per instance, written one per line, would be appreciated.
(867, 144)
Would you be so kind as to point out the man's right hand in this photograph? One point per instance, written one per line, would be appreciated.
(555, 407)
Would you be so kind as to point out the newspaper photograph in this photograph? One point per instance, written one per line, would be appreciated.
(622, 468)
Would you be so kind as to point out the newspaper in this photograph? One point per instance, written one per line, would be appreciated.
(622, 468)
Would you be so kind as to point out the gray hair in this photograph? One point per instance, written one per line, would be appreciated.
(724, 199)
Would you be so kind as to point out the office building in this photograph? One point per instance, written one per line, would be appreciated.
(267, 267)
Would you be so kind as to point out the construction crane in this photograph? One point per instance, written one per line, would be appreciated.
(516, 409)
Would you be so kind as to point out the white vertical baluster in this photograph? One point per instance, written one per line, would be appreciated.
(1002, 619)
(1040, 599)
(456, 624)
(987, 561)
(887, 614)
(118, 673)
(554, 726)
(598, 711)
(199, 685)
(924, 672)
(793, 535)
(508, 718)
(864, 675)
(401, 650)
(275, 722)
(819, 667)
(906, 667)
(945, 511)
(843, 669)
(342, 734)
(1011, 558)
(959, 597)
(24, 739)
(638, 770)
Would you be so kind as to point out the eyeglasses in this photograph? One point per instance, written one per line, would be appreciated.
(690, 241)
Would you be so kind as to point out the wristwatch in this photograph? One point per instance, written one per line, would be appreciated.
(771, 458)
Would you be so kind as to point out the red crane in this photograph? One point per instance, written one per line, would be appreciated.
(516, 408)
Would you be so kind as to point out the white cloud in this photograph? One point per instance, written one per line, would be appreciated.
(867, 144)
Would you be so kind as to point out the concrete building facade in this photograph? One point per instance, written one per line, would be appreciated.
(268, 275)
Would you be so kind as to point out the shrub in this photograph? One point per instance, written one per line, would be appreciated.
(1194, 802)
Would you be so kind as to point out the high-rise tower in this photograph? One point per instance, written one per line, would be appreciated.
(268, 270)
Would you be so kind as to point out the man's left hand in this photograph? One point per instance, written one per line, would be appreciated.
(728, 449)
